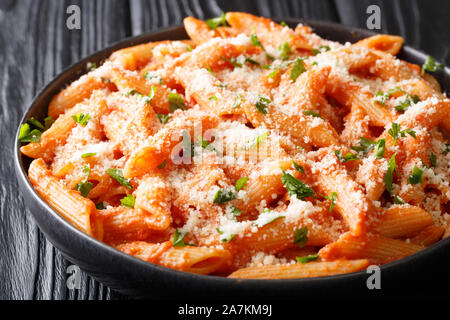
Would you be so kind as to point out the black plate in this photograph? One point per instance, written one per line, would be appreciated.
(137, 278)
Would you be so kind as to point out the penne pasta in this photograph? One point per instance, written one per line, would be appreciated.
(251, 150)
(306, 270)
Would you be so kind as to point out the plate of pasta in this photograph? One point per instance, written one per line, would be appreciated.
(240, 148)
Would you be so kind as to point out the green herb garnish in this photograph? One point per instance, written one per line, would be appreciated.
(213, 23)
(82, 118)
(301, 236)
(223, 196)
(431, 65)
(416, 176)
(345, 158)
(306, 259)
(297, 69)
(295, 186)
(389, 176)
(176, 101)
(117, 175)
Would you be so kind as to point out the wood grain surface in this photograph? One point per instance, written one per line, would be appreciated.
(36, 45)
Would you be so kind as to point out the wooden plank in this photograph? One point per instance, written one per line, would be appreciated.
(35, 45)
(423, 24)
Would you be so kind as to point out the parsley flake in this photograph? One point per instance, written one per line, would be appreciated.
(389, 176)
(297, 69)
(296, 187)
(82, 119)
(241, 183)
(431, 65)
(117, 175)
(176, 101)
(213, 23)
(128, 201)
(301, 236)
(223, 196)
(416, 176)
(262, 104)
(306, 259)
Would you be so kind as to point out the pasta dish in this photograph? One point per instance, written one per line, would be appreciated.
(252, 150)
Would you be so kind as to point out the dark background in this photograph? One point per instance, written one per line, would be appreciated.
(35, 46)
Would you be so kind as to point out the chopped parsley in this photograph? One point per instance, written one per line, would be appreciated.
(332, 198)
(84, 188)
(320, 50)
(306, 259)
(240, 183)
(128, 201)
(151, 75)
(163, 118)
(301, 236)
(396, 133)
(32, 121)
(88, 155)
(176, 101)
(389, 176)
(48, 122)
(162, 165)
(86, 172)
(298, 167)
(235, 211)
(178, 239)
(251, 61)
(262, 104)
(285, 50)
(380, 149)
(256, 142)
(28, 135)
(297, 69)
(407, 103)
(433, 160)
(416, 176)
(295, 186)
(345, 158)
(381, 97)
(365, 145)
(213, 23)
(82, 118)
(223, 196)
(398, 200)
(233, 62)
(447, 149)
(117, 175)
(311, 113)
(238, 102)
(255, 41)
(431, 65)
(91, 66)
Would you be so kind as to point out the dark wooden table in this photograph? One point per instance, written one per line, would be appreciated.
(35, 45)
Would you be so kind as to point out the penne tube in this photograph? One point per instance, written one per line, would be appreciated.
(77, 92)
(201, 260)
(68, 203)
(383, 42)
(401, 221)
(377, 249)
(428, 236)
(301, 270)
(153, 196)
